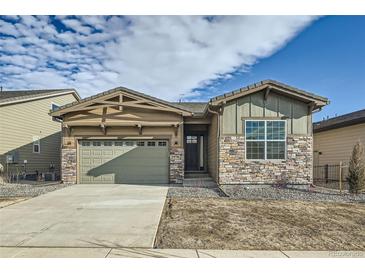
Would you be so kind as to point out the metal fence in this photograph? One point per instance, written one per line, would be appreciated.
(331, 176)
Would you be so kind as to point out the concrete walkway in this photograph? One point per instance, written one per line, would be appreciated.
(85, 216)
(35, 252)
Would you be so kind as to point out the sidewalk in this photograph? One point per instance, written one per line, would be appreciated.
(55, 252)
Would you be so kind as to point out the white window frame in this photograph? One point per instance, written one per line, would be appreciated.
(265, 140)
(52, 104)
(36, 141)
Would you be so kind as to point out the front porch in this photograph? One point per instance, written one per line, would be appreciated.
(196, 148)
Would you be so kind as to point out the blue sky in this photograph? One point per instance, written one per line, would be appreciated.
(189, 57)
(327, 58)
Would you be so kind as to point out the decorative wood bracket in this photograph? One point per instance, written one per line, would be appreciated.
(176, 129)
(103, 128)
(68, 130)
(140, 127)
(311, 107)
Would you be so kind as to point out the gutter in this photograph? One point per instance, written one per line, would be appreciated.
(218, 136)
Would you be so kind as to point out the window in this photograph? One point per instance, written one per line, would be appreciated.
(129, 143)
(140, 143)
(108, 143)
(85, 144)
(162, 143)
(118, 143)
(54, 106)
(36, 145)
(151, 143)
(96, 144)
(191, 139)
(265, 140)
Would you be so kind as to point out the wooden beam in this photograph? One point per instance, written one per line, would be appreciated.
(103, 116)
(120, 102)
(122, 123)
(267, 92)
(83, 105)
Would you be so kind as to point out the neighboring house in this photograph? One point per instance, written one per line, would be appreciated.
(30, 138)
(258, 134)
(334, 138)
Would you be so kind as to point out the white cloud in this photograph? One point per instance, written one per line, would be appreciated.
(164, 56)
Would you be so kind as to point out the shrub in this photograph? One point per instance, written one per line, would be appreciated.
(356, 174)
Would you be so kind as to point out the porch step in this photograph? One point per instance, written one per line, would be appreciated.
(191, 175)
(199, 182)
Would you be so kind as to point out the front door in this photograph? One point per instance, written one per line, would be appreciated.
(192, 153)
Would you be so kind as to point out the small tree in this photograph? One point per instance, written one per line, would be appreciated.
(356, 175)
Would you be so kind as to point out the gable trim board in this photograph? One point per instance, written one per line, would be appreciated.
(123, 114)
(30, 97)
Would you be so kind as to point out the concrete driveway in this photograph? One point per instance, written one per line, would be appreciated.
(85, 216)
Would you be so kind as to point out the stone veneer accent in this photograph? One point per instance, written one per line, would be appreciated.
(296, 169)
(176, 165)
(68, 165)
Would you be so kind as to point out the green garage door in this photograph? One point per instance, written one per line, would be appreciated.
(124, 162)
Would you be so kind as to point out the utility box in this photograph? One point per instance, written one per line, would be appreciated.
(12, 158)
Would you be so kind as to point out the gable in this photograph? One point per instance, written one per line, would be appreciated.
(268, 86)
(275, 106)
(118, 99)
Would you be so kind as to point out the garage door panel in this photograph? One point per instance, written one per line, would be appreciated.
(126, 163)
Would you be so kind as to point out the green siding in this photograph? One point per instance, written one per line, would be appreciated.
(276, 106)
(229, 118)
(257, 105)
(300, 119)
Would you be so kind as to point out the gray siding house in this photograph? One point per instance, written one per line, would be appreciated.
(30, 139)
(259, 134)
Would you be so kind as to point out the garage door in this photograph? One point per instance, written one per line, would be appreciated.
(124, 162)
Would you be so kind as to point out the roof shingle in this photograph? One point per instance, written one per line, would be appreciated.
(12, 96)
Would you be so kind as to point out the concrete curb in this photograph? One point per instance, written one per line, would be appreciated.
(103, 252)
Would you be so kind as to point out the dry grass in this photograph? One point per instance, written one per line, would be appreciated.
(261, 225)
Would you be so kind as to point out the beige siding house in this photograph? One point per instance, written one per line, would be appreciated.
(335, 138)
(259, 134)
(30, 139)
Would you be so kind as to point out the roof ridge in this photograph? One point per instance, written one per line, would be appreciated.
(121, 88)
(264, 82)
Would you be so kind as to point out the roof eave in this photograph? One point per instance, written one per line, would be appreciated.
(23, 99)
(222, 99)
(60, 112)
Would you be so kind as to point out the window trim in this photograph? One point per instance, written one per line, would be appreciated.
(265, 140)
(57, 105)
(36, 141)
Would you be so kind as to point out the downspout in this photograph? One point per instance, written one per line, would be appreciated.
(218, 136)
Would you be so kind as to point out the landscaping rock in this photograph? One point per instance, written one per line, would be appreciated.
(274, 193)
(27, 190)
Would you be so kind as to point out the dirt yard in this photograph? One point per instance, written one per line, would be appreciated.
(261, 225)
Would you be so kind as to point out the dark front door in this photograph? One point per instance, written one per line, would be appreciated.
(192, 153)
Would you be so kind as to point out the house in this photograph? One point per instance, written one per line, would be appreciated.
(334, 138)
(30, 138)
(261, 133)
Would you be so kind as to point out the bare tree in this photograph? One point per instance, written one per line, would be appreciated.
(356, 175)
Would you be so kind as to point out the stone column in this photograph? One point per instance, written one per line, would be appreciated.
(68, 165)
(176, 165)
